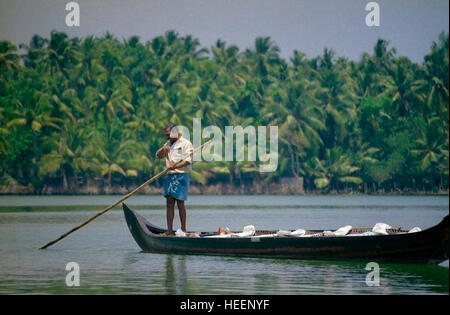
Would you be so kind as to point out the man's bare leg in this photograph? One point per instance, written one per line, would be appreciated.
(182, 212)
(170, 206)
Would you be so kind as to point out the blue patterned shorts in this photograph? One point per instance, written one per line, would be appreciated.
(176, 185)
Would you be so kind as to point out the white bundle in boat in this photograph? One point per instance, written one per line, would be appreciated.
(248, 230)
(266, 235)
(380, 228)
(342, 231)
(181, 233)
(299, 232)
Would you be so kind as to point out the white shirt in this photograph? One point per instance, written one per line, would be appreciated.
(181, 149)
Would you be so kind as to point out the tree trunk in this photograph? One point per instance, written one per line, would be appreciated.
(232, 172)
(65, 183)
(293, 160)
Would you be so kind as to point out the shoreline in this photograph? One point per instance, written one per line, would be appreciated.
(213, 190)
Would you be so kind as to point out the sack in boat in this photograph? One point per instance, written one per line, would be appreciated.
(342, 231)
(181, 233)
(380, 228)
(299, 232)
(248, 230)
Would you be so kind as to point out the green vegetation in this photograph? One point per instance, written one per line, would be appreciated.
(76, 109)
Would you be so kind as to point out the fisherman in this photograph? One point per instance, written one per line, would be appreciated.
(176, 182)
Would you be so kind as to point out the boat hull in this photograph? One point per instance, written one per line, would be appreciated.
(428, 246)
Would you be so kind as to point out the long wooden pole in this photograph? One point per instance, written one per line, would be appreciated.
(118, 201)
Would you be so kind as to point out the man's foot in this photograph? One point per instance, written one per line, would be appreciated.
(167, 233)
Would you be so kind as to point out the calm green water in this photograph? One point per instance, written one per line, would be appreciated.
(111, 262)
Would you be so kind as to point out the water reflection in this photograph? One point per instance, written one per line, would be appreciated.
(176, 277)
(190, 274)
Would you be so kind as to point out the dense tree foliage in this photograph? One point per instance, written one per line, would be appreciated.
(73, 109)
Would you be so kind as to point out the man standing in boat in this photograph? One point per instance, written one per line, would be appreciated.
(176, 183)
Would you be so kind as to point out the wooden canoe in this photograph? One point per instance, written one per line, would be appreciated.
(427, 246)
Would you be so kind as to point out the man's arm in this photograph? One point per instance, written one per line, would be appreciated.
(161, 153)
(189, 151)
(179, 165)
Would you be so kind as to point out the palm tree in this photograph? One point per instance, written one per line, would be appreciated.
(70, 156)
(405, 88)
(111, 92)
(383, 55)
(227, 57)
(36, 51)
(9, 60)
(213, 106)
(89, 66)
(4, 132)
(34, 112)
(298, 118)
(31, 112)
(61, 54)
(191, 45)
(430, 149)
(264, 55)
(116, 154)
(337, 96)
(336, 168)
(436, 80)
